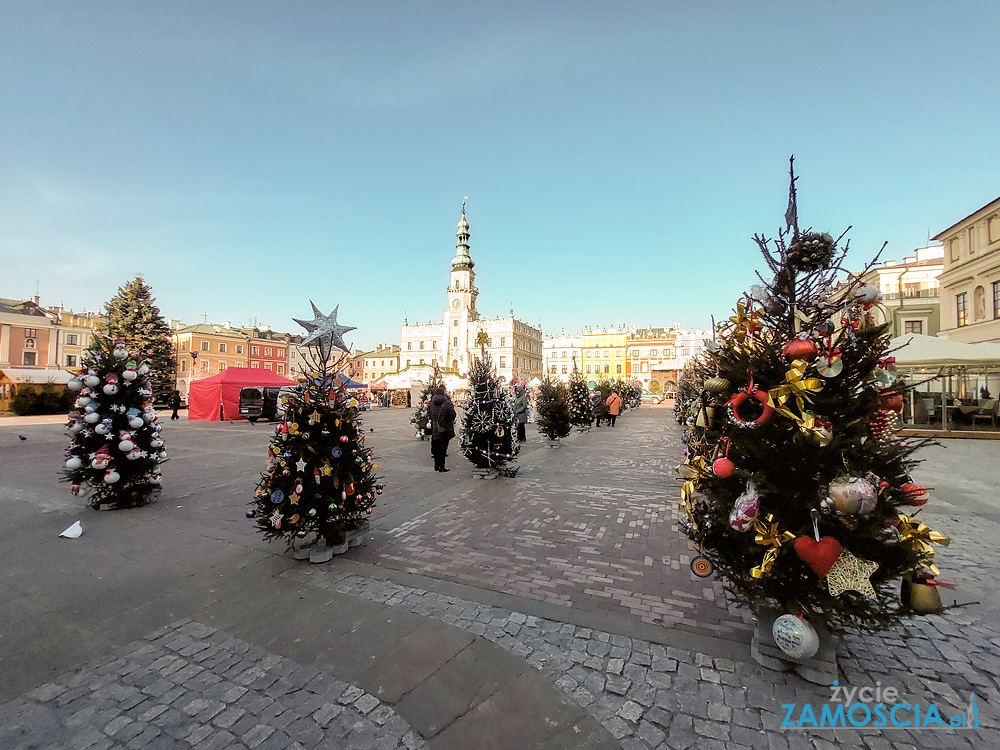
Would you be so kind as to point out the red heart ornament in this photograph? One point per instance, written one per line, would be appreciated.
(821, 556)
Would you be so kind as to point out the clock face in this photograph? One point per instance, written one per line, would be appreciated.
(455, 304)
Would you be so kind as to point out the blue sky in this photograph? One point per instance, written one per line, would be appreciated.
(618, 157)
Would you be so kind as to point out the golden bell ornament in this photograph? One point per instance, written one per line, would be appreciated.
(922, 598)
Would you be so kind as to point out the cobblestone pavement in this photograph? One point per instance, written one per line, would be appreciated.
(189, 685)
(648, 695)
(568, 533)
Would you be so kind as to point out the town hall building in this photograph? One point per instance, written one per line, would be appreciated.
(453, 344)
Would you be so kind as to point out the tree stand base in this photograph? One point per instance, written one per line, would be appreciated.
(552, 443)
(356, 537)
(302, 548)
(496, 471)
(820, 668)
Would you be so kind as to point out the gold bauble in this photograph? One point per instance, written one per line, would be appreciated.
(717, 384)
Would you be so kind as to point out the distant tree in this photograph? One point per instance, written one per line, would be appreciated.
(132, 315)
(553, 409)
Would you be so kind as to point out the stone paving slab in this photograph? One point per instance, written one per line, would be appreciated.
(190, 685)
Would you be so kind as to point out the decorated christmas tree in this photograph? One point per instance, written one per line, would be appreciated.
(116, 450)
(581, 413)
(797, 490)
(132, 314)
(553, 409)
(489, 431)
(421, 419)
(320, 484)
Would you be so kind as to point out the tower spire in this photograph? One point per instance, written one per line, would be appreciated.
(462, 258)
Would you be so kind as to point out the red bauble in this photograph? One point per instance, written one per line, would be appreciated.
(804, 349)
(821, 556)
(891, 401)
(914, 494)
(723, 467)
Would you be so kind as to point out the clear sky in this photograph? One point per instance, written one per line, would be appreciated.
(618, 156)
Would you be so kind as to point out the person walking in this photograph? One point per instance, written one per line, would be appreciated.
(614, 404)
(600, 408)
(520, 412)
(175, 403)
(442, 416)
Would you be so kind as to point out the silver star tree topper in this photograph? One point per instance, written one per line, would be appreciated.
(324, 331)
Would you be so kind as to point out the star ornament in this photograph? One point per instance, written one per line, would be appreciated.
(324, 330)
(851, 573)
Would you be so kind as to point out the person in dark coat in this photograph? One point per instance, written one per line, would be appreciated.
(175, 403)
(520, 412)
(600, 408)
(442, 415)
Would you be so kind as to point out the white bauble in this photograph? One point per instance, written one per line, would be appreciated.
(92, 381)
(101, 429)
(111, 476)
(795, 636)
(111, 389)
(99, 463)
(133, 454)
(75, 427)
(143, 369)
(135, 422)
(92, 417)
(126, 445)
(75, 385)
(156, 479)
(130, 375)
(73, 463)
(120, 352)
(82, 401)
(155, 443)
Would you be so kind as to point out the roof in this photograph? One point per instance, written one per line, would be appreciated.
(208, 329)
(21, 307)
(940, 234)
(28, 375)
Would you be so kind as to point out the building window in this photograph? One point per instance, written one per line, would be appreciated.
(204, 346)
(503, 362)
(421, 361)
(962, 309)
(239, 348)
(184, 345)
(588, 369)
(606, 354)
(281, 369)
(255, 365)
(267, 351)
(454, 323)
(635, 352)
(996, 299)
(407, 363)
(184, 365)
(30, 333)
(618, 352)
(254, 351)
(267, 365)
(71, 360)
(607, 369)
(409, 345)
(279, 353)
(72, 339)
(564, 369)
(434, 345)
(618, 369)
(28, 358)
(552, 369)
(222, 348)
(653, 352)
(222, 366)
(590, 354)
(503, 341)
(204, 365)
(454, 341)
(421, 345)
(913, 326)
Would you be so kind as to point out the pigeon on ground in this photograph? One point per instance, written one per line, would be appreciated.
(22, 437)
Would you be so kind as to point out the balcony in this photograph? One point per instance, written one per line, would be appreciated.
(914, 294)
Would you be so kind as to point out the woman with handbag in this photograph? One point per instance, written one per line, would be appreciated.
(442, 416)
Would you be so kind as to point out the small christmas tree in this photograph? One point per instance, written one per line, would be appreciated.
(320, 476)
(795, 490)
(581, 413)
(421, 419)
(489, 430)
(132, 314)
(116, 449)
(553, 409)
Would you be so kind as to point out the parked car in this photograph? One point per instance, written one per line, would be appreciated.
(648, 397)
(259, 402)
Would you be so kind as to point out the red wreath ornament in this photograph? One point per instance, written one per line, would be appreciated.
(733, 407)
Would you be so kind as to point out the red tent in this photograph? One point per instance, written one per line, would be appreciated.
(207, 394)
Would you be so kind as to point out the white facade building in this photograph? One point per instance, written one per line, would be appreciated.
(558, 353)
(514, 346)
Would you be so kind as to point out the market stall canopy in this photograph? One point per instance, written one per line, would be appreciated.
(28, 375)
(930, 351)
(379, 386)
(534, 382)
(351, 384)
(205, 395)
